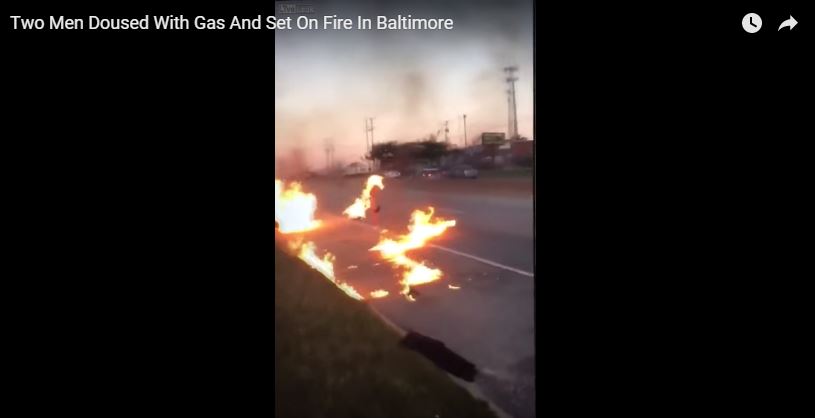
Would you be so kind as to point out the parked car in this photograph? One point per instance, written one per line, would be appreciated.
(463, 172)
(430, 173)
(392, 174)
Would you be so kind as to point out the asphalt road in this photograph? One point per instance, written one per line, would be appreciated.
(489, 255)
(491, 227)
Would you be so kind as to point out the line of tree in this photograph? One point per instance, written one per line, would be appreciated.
(393, 153)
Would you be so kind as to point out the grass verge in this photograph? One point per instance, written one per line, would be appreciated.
(333, 358)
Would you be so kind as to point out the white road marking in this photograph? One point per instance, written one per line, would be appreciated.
(482, 260)
(465, 255)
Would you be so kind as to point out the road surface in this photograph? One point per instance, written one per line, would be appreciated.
(488, 254)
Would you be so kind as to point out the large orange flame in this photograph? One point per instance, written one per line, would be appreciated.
(422, 228)
(361, 205)
(293, 209)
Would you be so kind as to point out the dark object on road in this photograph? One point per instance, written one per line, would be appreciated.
(440, 355)
(463, 172)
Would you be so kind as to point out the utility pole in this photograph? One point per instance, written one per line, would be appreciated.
(329, 154)
(369, 128)
(447, 131)
(512, 104)
(372, 133)
(509, 114)
(465, 131)
(367, 141)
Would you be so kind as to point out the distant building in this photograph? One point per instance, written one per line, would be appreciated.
(522, 149)
(496, 155)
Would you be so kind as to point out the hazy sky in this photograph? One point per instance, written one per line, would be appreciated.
(327, 82)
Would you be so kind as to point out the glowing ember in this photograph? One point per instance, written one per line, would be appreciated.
(376, 294)
(293, 209)
(422, 228)
(325, 266)
(449, 286)
(361, 205)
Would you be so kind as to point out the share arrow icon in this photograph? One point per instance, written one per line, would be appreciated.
(791, 22)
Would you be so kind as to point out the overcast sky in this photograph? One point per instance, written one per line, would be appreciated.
(327, 82)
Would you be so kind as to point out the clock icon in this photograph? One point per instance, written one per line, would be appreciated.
(751, 23)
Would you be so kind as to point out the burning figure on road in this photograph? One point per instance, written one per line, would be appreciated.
(422, 228)
(367, 200)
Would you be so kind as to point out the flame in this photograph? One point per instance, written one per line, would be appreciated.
(325, 266)
(361, 205)
(422, 228)
(293, 209)
(296, 244)
(349, 290)
(376, 294)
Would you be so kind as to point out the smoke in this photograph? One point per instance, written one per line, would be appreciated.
(414, 93)
(292, 165)
(411, 82)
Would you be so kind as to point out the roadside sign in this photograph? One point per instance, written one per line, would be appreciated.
(493, 138)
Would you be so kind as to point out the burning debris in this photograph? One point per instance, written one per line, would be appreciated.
(294, 213)
(449, 286)
(293, 209)
(421, 229)
(412, 294)
(361, 205)
(325, 265)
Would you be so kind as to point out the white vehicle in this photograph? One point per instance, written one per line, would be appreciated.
(392, 174)
(354, 169)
